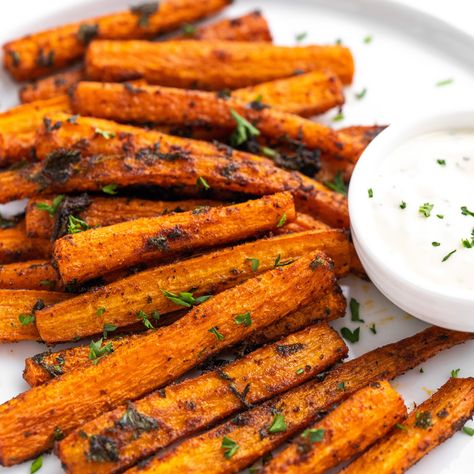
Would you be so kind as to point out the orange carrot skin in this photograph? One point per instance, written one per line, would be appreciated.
(41, 53)
(229, 64)
(431, 423)
(30, 275)
(353, 426)
(265, 372)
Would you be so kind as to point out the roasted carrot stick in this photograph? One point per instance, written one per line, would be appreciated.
(99, 212)
(15, 246)
(30, 275)
(154, 239)
(18, 126)
(208, 398)
(294, 411)
(186, 107)
(41, 53)
(17, 312)
(354, 425)
(431, 423)
(305, 94)
(229, 64)
(157, 359)
(123, 300)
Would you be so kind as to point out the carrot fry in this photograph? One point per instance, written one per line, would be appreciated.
(229, 64)
(17, 312)
(353, 426)
(99, 212)
(303, 222)
(208, 398)
(306, 94)
(41, 53)
(154, 239)
(299, 407)
(28, 421)
(203, 275)
(431, 423)
(18, 126)
(30, 275)
(186, 107)
(15, 246)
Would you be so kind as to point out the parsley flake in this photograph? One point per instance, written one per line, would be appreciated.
(469, 431)
(36, 465)
(229, 446)
(441, 162)
(188, 30)
(97, 350)
(337, 184)
(243, 131)
(314, 435)
(282, 220)
(444, 82)
(403, 205)
(279, 263)
(354, 306)
(435, 244)
(278, 424)
(360, 95)
(455, 373)
(108, 328)
(368, 39)
(52, 208)
(76, 225)
(110, 189)
(254, 263)
(202, 183)
(215, 331)
(104, 133)
(423, 420)
(370, 193)
(301, 36)
(100, 311)
(26, 319)
(338, 117)
(373, 329)
(185, 298)
(466, 212)
(448, 255)
(351, 336)
(244, 319)
(145, 319)
(425, 209)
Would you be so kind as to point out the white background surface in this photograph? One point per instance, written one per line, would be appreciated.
(400, 73)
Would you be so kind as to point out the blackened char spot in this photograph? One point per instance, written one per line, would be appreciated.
(102, 449)
(70, 205)
(286, 350)
(57, 167)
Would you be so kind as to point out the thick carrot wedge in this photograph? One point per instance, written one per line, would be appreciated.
(17, 312)
(30, 275)
(99, 212)
(55, 85)
(431, 423)
(41, 53)
(203, 275)
(40, 368)
(18, 126)
(208, 399)
(354, 425)
(306, 94)
(28, 421)
(229, 64)
(15, 246)
(186, 107)
(299, 407)
(303, 222)
(154, 239)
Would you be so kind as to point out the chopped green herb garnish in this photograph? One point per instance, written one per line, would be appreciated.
(403, 205)
(441, 162)
(448, 255)
(110, 189)
(36, 465)
(97, 350)
(401, 427)
(354, 306)
(26, 319)
(185, 298)
(52, 208)
(468, 244)
(341, 386)
(370, 192)
(108, 328)
(145, 319)
(229, 446)
(300, 371)
(466, 212)
(373, 329)
(338, 41)
(301, 36)
(455, 373)
(188, 29)
(435, 244)
(337, 184)
(360, 95)
(469, 431)
(314, 435)
(423, 420)
(243, 131)
(270, 152)
(368, 39)
(282, 220)
(244, 319)
(338, 117)
(351, 336)
(425, 209)
(278, 424)
(51, 284)
(254, 263)
(279, 263)
(444, 82)
(76, 225)
(100, 311)
(202, 183)
(219, 336)
(104, 133)
(440, 216)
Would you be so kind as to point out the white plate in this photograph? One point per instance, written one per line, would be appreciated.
(409, 53)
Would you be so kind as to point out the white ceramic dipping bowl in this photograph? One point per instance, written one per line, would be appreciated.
(450, 310)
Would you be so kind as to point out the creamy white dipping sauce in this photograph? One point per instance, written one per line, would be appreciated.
(436, 169)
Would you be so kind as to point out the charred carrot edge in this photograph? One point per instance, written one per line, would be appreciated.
(430, 424)
(152, 104)
(18, 126)
(154, 239)
(55, 85)
(99, 211)
(17, 312)
(159, 358)
(207, 399)
(41, 368)
(229, 64)
(354, 425)
(306, 94)
(15, 246)
(41, 53)
(203, 275)
(30, 275)
(300, 406)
